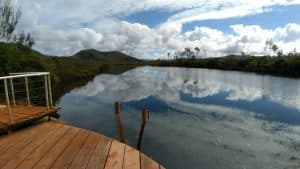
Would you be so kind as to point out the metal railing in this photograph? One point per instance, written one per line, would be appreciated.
(27, 89)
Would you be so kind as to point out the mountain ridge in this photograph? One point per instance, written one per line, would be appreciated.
(108, 56)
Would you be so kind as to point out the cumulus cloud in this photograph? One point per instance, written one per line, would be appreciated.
(56, 42)
(227, 9)
(65, 27)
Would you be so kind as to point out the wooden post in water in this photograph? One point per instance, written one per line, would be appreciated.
(119, 123)
(145, 116)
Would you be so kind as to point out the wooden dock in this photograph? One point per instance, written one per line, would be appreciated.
(25, 97)
(22, 114)
(55, 145)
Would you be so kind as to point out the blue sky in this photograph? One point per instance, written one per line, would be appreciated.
(279, 16)
(150, 29)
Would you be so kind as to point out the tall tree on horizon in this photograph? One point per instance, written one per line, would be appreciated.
(9, 18)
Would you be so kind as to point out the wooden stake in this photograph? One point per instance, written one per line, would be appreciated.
(145, 117)
(119, 123)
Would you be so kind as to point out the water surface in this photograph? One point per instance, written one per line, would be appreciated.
(199, 118)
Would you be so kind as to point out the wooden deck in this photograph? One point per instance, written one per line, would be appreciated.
(55, 145)
(21, 114)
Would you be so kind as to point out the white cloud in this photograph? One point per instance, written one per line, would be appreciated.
(227, 9)
(64, 27)
(57, 42)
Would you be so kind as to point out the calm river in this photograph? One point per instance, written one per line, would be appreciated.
(199, 118)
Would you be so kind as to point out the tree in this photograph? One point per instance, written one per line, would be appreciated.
(271, 46)
(280, 53)
(188, 53)
(9, 18)
(295, 51)
(169, 55)
(197, 51)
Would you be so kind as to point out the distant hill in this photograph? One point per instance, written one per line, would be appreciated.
(113, 56)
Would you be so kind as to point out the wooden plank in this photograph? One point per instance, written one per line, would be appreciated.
(38, 153)
(100, 154)
(7, 141)
(10, 153)
(85, 153)
(70, 152)
(23, 113)
(131, 158)
(20, 156)
(57, 149)
(161, 167)
(115, 156)
(147, 163)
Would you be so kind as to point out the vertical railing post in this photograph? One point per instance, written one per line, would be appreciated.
(119, 123)
(46, 91)
(145, 118)
(12, 91)
(50, 90)
(27, 91)
(7, 101)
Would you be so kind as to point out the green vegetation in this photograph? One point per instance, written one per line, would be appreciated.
(280, 65)
(111, 56)
(66, 72)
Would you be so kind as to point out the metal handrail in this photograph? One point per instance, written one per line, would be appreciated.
(26, 75)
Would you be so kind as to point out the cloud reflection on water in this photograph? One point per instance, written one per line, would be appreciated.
(200, 115)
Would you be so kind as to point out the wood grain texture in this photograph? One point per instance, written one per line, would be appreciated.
(21, 143)
(147, 163)
(23, 113)
(56, 150)
(7, 142)
(85, 153)
(99, 156)
(41, 151)
(71, 150)
(131, 158)
(20, 156)
(115, 156)
(161, 167)
(55, 145)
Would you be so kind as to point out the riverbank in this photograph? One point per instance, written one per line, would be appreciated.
(66, 73)
(280, 66)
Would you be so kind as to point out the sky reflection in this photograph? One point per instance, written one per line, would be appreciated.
(199, 118)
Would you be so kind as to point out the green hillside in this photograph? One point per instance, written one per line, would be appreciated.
(111, 56)
(66, 72)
